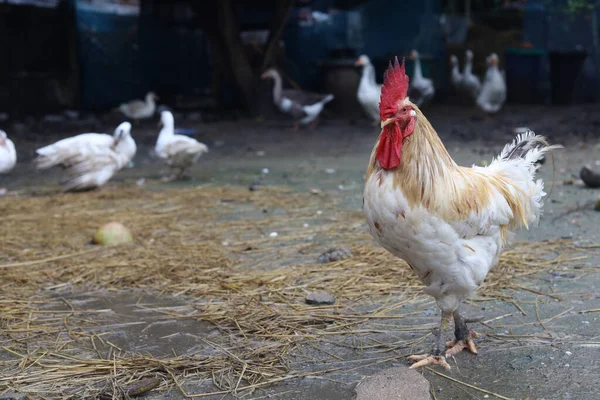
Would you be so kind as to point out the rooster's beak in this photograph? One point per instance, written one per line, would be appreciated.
(357, 63)
(386, 122)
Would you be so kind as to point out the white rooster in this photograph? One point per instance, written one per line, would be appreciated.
(449, 223)
(368, 89)
(90, 159)
(178, 151)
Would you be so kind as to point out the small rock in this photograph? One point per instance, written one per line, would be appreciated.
(597, 204)
(330, 170)
(319, 298)
(140, 182)
(3, 191)
(254, 185)
(590, 177)
(399, 383)
(260, 153)
(315, 191)
(334, 254)
(273, 234)
(265, 171)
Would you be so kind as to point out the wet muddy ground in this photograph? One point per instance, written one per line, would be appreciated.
(556, 357)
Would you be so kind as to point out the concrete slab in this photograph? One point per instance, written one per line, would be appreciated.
(400, 383)
(547, 351)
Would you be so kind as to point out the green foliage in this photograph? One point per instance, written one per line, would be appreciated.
(575, 7)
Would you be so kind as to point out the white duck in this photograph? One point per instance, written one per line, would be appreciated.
(421, 89)
(90, 159)
(304, 107)
(471, 83)
(8, 154)
(138, 109)
(493, 91)
(368, 90)
(455, 75)
(178, 151)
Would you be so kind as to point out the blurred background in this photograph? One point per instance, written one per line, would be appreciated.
(96, 54)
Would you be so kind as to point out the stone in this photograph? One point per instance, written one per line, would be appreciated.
(399, 383)
(597, 204)
(590, 177)
(319, 298)
(334, 254)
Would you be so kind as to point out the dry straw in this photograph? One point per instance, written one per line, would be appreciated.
(212, 244)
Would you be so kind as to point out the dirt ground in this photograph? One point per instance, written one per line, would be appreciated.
(545, 350)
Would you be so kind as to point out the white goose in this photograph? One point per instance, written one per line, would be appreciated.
(138, 109)
(470, 82)
(421, 89)
(303, 106)
(8, 154)
(455, 75)
(178, 151)
(493, 91)
(90, 159)
(368, 90)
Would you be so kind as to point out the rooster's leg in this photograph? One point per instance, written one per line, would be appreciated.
(464, 336)
(437, 356)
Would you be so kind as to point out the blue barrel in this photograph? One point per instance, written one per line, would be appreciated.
(565, 67)
(526, 76)
(108, 49)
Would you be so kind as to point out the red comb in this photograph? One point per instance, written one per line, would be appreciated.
(394, 89)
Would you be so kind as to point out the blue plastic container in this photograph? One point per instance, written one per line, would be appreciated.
(526, 76)
(109, 56)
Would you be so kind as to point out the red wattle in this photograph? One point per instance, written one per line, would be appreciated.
(389, 150)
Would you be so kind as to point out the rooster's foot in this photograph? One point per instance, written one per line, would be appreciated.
(422, 360)
(456, 346)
